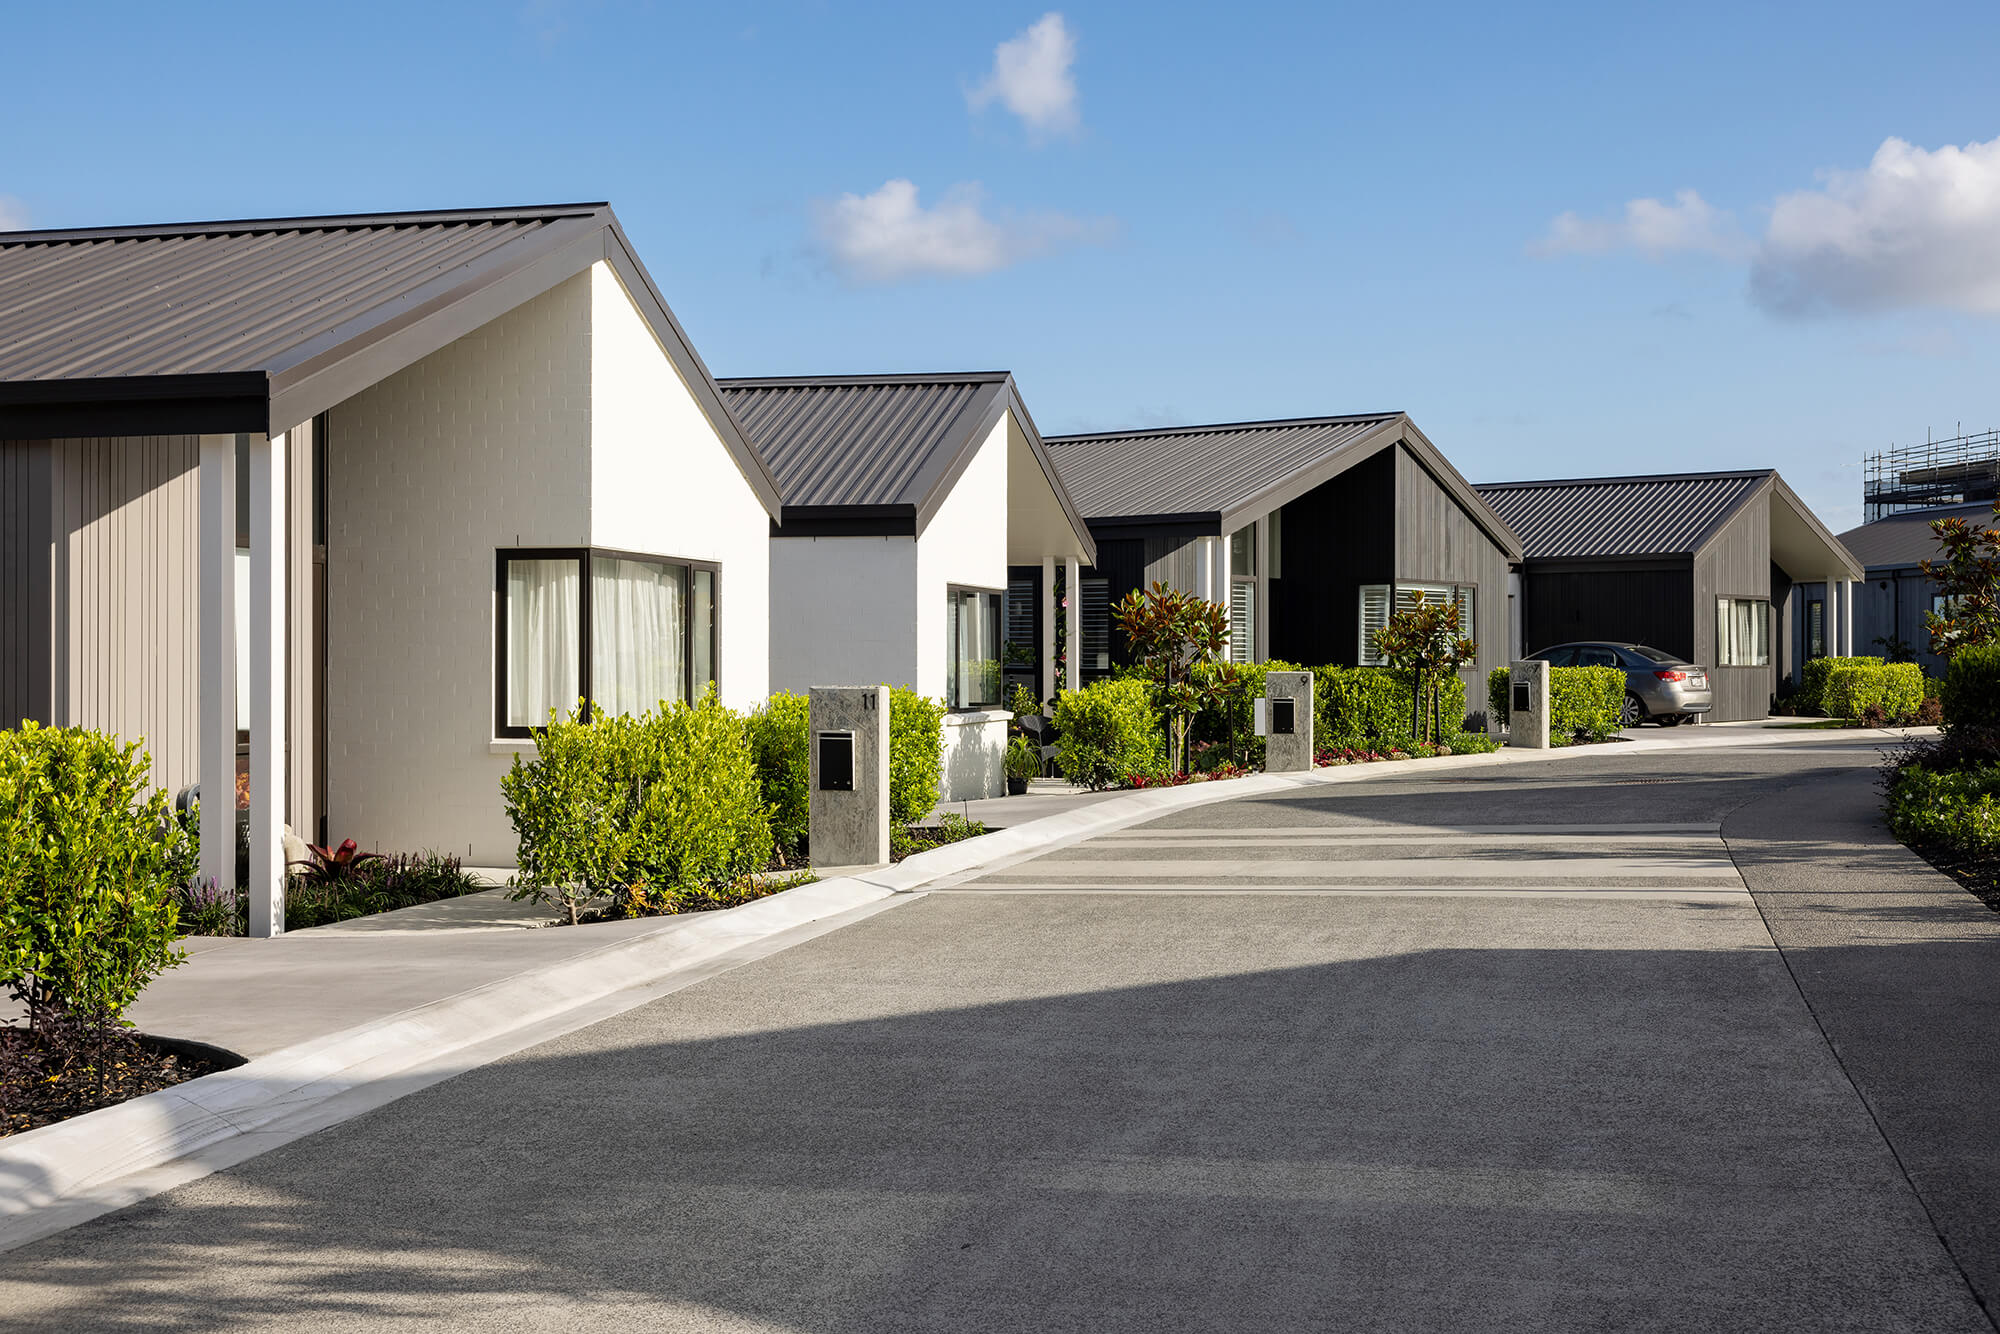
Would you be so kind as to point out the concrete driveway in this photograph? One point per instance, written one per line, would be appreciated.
(1425, 1053)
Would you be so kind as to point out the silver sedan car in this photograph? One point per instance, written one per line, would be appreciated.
(1660, 687)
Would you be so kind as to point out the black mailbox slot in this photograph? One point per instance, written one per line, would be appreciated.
(1284, 715)
(1522, 699)
(836, 761)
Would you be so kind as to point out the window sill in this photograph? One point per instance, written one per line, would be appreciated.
(510, 745)
(970, 717)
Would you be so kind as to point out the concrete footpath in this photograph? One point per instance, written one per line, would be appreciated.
(1900, 967)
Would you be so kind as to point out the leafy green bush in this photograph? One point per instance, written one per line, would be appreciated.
(1895, 689)
(1107, 731)
(1369, 708)
(1585, 703)
(1971, 688)
(1231, 720)
(667, 799)
(1953, 809)
(780, 746)
(1810, 697)
(382, 884)
(87, 861)
(1023, 759)
(916, 755)
(1499, 695)
(1469, 743)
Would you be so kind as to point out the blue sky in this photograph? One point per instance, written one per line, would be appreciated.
(1161, 213)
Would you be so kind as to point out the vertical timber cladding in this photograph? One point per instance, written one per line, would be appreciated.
(123, 585)
(1335, 538)
(1735, 563)
(1438, 542)
(26, 646)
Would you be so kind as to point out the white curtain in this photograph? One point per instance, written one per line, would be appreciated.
(636, 626)
(543, 636)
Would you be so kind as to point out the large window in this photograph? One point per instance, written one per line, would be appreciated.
(972, 643)
(1375, 612)
(1243, 594)
(1742, 632)
(622, 632)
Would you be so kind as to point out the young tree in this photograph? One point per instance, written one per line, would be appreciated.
(1171, 631)
(1968, 578)
(1425, 640)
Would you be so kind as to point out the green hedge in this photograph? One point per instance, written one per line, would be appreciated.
(1811, 695)
(780, 748)
(916, 755)
(1971, 689)
(1896, 688)
(1584, 702)
(668, 799)
(87, 883)
(1954, 809)
(1368, 708)
(1106, 732)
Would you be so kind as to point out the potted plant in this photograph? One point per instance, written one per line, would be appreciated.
(1024, 757)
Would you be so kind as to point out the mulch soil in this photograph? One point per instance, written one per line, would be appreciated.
(32, 1095)
(1980, 875)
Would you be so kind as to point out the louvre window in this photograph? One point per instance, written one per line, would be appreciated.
(1243, 620)
(1375, 611)
(1096, 626)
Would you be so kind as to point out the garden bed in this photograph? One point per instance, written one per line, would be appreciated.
(39, 1087)
(1979, 873)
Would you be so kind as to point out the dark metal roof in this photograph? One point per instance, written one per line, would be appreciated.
(863, 440)
(879, 453)
(1621, 516)
(258, 324)
(1226, 474)
(1904, 539)
(1199, 469)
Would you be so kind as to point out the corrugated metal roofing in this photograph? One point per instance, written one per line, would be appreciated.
(1905, 539)
(864, 440)
(1619, 516)
(208, 298)
(1200, 469)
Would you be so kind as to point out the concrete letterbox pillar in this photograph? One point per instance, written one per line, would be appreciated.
(1287, 722)
(848, 808)
(1528, 705)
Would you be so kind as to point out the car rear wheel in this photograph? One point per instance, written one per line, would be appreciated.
(1635, 712)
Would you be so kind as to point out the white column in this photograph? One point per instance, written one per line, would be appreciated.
(1204, 568)
(1847, 618)
(1049, 628)
(217, 656)
(1073, 622)
(1260, 630)
(267, 685)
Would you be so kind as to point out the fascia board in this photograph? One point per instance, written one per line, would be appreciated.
(969, 430)
(1288, 489)
(1780, 490)
(1046, 460)
(1729, 516)
(1468, 497)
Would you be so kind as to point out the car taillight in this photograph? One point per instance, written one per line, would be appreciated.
(1671, 676)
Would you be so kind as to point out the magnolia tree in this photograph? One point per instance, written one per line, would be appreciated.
(1170, 632)
(1425, 640)
(1967, 575)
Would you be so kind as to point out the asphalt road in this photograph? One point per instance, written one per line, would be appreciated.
(1430, 1053)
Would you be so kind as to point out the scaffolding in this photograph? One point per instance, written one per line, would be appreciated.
(1957, 471)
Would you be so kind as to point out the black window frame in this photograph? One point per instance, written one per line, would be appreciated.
(505, 730)
(952, 593)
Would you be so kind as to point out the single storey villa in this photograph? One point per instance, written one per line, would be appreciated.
(1310, 530)
(1705, 565)
(1891, 603)
(348, 504)
(908, 500)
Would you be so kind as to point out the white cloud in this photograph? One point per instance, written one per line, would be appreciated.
(13, 214)
(1031, 78)
(1916, 228)
(1653, 228)
(890, 235)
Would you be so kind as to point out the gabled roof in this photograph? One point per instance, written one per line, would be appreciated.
(1667, 514)
(1906, 538)
(258, 324)
(879, 453)
(1225, 475)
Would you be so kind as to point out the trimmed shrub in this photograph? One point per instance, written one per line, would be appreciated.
(1810, 697)
(916, 754)
(780, 748)
(1971, 688)
(87, 875)
(667, 799)
(1585, 702)
(1953, 809)
(1369, 707)
(1106, 732)
(1894, 689)
(1499, 695)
